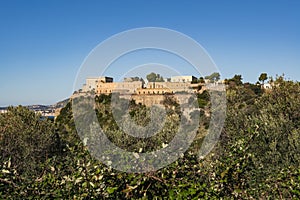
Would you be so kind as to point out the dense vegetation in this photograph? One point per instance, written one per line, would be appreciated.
(257, 156)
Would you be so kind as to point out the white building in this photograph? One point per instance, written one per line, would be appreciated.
(3, 110)
(266, 86)
(183, 79)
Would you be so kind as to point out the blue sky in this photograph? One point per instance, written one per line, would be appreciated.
(43, 43)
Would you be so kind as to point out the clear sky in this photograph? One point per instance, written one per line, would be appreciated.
(43, 43)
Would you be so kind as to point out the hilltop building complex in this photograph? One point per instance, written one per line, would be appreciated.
(105, 85)
(147, 94)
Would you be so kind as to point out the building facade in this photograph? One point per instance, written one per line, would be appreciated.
(91, 83)
(121, 87)
(105, 85)
(183, 79)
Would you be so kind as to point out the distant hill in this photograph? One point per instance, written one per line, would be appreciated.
(39, 107)
(61, 104)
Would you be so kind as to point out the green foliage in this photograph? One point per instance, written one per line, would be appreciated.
(153, 77)
(259, 151)
(235, 81)
(26, 140)
(257, 156)
(140, 115)
(65, 126)
(214, 77)
(203, 99)
(256, 88)
(135, 78)
(263, 77)
(201, 80)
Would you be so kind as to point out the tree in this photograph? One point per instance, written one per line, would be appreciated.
(266, 148)
(153, 77)
(26, 139)
(214, 77)
(136, 78)
(201, 80)
(263, 77)
(226, 81)
(237, 80)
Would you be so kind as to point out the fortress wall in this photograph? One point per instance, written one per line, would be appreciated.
(148, 100)
(152, 99)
